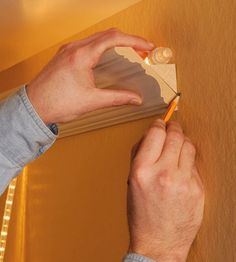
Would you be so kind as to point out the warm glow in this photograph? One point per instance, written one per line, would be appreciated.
(7, 217)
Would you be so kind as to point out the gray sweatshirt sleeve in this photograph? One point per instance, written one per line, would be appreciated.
(23, 136)
(132, 257)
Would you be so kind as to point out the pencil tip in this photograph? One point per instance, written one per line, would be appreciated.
(177, 98)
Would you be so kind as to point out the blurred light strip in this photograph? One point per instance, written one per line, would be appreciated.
(7, 217)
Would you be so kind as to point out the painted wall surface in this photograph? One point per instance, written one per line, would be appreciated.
(76, 199)
(28, 27)
(75, 205)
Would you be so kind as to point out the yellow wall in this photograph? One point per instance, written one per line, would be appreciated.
(28, 27)
(76, 200)
(76, 192)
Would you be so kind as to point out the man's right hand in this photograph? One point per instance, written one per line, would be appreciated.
(165, 194)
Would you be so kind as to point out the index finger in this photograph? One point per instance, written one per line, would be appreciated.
(173, 144)
(117, 38)
(152, 144)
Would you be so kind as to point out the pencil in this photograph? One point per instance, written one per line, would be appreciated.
(171, 108)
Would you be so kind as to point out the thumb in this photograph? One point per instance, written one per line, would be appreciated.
(114, 97)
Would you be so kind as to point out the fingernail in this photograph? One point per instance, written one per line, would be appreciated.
(135, 101)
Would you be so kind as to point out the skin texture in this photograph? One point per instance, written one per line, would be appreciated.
(165, 194)
(65, 88)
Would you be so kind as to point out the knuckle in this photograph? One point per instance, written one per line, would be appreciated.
(174, 135)
(158, 124)
(197, 193)
(174, 124)
(76, 54)
(72, 57)
(138, 168)
(159, 121)
(113, 29)
(138, 173)
(165, 179)
(115, 34)
(184, 189)
(156, 129)
(170, 185)
(190, 147)
(65, 47)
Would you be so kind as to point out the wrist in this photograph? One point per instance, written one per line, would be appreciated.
(38, 105)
